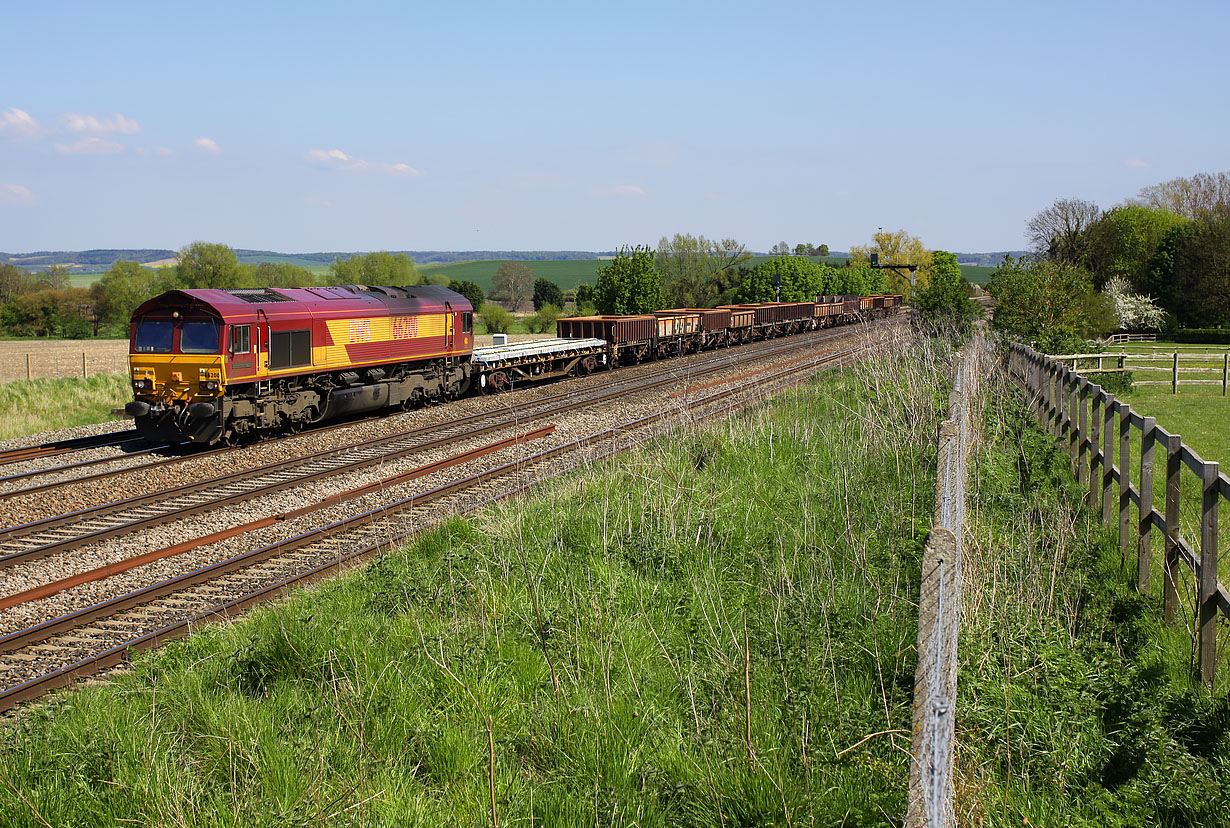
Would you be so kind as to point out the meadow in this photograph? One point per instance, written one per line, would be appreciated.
(35, 406)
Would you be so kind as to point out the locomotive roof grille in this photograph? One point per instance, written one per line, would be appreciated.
(259, 296)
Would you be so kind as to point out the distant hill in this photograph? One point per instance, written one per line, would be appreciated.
(988, 259)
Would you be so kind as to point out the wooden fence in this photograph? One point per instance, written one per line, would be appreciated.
(1090, 421)
(1115, 339)
(1097, 364)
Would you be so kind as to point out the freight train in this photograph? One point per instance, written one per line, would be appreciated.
(213, 365)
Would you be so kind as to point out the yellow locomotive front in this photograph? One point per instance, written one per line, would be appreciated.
(178, 374)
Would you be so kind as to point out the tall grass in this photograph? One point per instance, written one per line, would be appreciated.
(33, 406)
(716, 629)
(1077, 703)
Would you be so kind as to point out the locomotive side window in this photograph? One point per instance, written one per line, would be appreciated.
(289, 349)
(241, 339)
(467, 322)
(153, 336)
(199, 337)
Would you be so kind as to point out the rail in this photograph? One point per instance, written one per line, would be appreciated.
(939, 609)
(1090, 421)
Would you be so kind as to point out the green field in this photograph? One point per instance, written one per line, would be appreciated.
(977, 274)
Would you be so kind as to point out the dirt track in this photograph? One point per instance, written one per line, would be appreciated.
(62, 357)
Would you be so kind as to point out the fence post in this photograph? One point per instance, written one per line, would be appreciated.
(1125, 480)
(1208, 571)
(1095, 446)
(1074, 433)
(83, 370)
(1174, 375)
(1144, 550)
(1052, 392)
(1174, 465)
(1108, 459)
(1225, 372)
(27, 366)
(1082, 433)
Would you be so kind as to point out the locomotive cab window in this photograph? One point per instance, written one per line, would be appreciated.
(290, 349)
(153, 336)
(467, 322)
(199, 336)
(241, 339)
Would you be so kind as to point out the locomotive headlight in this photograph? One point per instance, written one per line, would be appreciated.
(209, 385)
(142, 384)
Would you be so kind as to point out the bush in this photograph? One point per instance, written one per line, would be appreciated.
(1202, 336)
(544, 320)
(496, 318)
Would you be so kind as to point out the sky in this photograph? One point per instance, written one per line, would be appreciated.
(311, 126)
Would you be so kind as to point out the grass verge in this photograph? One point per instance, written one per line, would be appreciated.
(35, 406)
(1077, 702)
(716, 629)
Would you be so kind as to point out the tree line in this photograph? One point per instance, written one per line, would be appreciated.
(1157, 262)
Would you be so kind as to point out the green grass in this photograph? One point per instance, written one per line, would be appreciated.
(977, 274)
(33, 406)
(1078, 704)
(599, 632)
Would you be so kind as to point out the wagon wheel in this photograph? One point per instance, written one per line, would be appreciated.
(498, 381)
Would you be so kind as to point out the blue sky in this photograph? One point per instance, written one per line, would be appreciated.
(370, 125)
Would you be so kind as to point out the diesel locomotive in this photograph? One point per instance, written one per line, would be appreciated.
(222, 365)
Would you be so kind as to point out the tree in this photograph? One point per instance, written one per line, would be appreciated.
(629, 283)
(546, 293)
(1192, 271)
(899, 248)
(283, 275)
(1188, 197)
(65, 314)
(14, 281)
(822, 250)
(205, 265)
(543, 321)
(54, 277)
(585, 294)
(945, 305)
(513, 284)
(1050, 303)
(379, 268)
(801, 280)
(1134, 311)
(1124, 241)
(121, 289)
(802, 249)
(696, 270)
(470, 290)
(1058, 232)
(780, 249)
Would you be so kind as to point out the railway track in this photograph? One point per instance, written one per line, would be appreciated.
(95, 637)
(41, 538)
(111, 438)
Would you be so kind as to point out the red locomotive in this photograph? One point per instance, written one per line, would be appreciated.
(210, 365)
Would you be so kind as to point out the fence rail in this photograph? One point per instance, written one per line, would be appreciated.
(1132, 362)
(1090, 421)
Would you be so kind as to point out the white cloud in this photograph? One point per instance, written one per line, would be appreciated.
(164, 150)
(17, 123)
(15, 194)
(207, 144)
(628, 190)
(77, 122)
(90, 146)
(1136, 163)
(340, 160)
